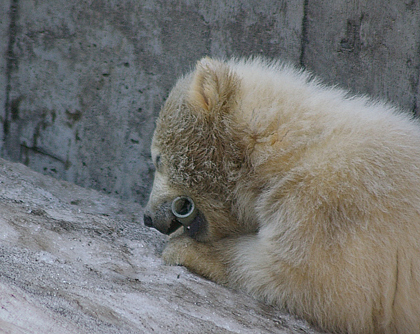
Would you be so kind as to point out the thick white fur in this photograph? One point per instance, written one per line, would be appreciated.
(342, 245)
(333, 188)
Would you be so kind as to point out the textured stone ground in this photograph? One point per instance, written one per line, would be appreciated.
(73, 260)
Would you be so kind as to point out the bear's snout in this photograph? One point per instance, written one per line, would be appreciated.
(162, 226)
(162, 219)
(166, 222)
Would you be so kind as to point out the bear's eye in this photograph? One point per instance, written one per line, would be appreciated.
(157, 162)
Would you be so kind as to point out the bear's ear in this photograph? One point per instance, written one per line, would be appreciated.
(213, 87)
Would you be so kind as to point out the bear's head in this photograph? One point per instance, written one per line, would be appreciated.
(198, 151)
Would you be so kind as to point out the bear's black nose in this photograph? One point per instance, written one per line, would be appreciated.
(147, 221)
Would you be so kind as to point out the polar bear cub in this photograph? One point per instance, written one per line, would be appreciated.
(306, 197)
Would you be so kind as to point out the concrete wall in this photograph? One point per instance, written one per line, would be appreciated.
(81, 82)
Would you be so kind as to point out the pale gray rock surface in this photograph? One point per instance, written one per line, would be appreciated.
(74, 260)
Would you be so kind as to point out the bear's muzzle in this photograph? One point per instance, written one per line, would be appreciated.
(162, 219)
(165, 228)
(170, 216)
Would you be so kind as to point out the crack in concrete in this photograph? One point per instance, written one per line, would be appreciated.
(304, 38)
(42, 151)
(11, 63)
(416, 89)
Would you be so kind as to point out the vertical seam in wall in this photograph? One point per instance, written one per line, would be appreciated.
(304, 37)
(10, 64)
(416, 91)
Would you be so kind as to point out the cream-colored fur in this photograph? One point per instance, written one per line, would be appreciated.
(311, 197)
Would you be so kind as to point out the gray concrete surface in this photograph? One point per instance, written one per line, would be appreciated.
(82, 82)
(86, 80)
(73, 260)
(370, 47)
